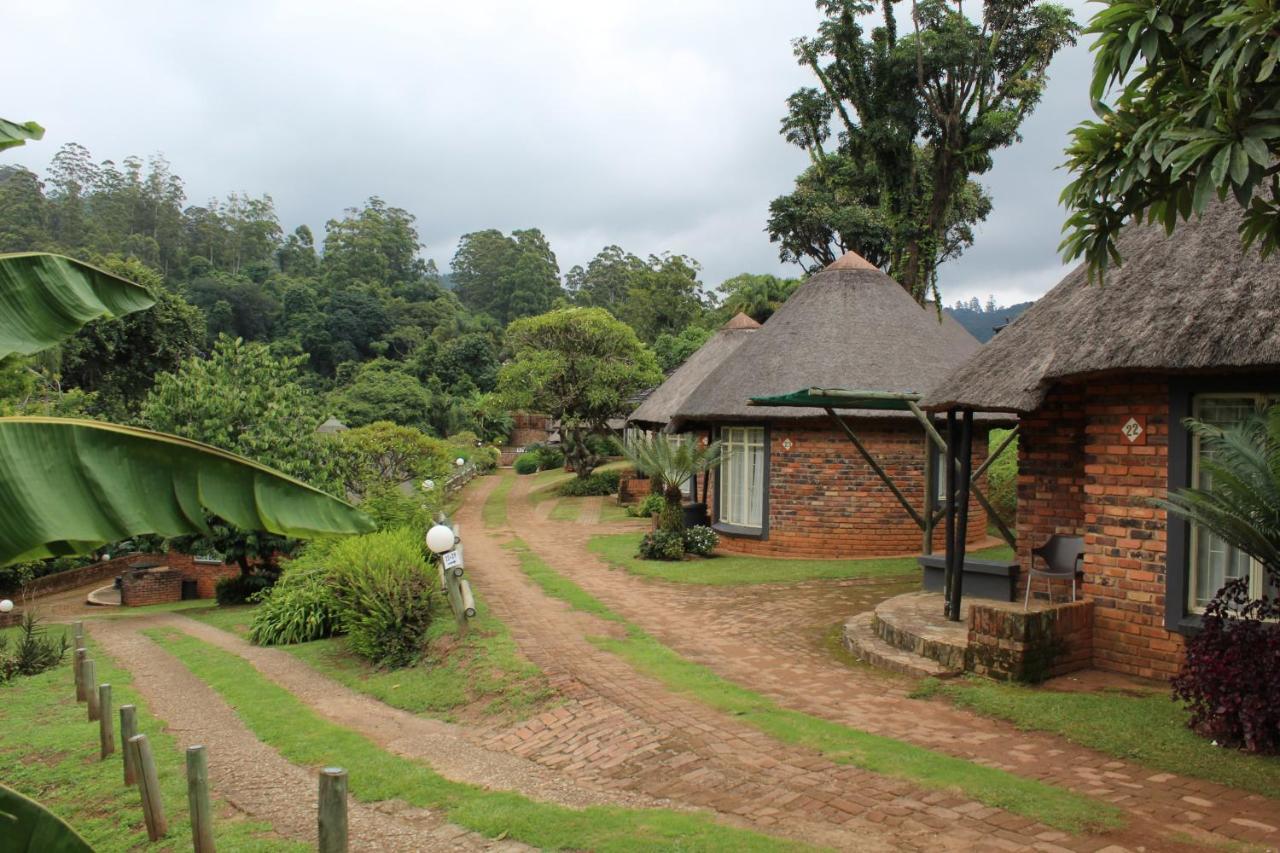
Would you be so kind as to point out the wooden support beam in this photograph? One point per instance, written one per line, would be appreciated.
(880, 472)
(962, 517)
(930, 495)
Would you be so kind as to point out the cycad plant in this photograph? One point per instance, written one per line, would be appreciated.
(671, 462)
(1242, 504)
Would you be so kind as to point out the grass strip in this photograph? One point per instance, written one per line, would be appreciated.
(1050, 805)
(279, 719)
(1146, 727)
(619, 550)
(494, 511)
(49, 751)
(566, 509)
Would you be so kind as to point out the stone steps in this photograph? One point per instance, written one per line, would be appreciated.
(864, 642)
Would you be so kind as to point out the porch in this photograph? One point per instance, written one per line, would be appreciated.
(911, 634)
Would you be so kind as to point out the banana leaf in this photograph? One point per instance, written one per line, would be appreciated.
(28, 827)
(70, 486)
(46, 298)
(13, 134)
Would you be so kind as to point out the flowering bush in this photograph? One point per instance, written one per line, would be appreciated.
(1231, 677)
(700, 540)
(662, 545)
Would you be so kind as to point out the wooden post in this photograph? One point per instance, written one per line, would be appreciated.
(930, 494)
(81, 654)
(78, 634)
(333, 810)
(149, 787)
(951, 512)
(128, 728)
(198, 800)
(89, 676)
(962, 513)
(106, 737)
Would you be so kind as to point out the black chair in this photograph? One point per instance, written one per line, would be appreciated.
(1062, 556)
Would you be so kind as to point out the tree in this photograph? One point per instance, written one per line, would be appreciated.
(376, 245)
(757, 296)
(386, 453)
(470, 356)
(383, 390)
(606, 280)
(671, 462)
(673, 350)
(1196, 112)
(579, 365)
(506, 277)
(245, 400)
(664, 296)
(917, 116)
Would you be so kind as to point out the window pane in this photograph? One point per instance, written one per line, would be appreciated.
(742, 476)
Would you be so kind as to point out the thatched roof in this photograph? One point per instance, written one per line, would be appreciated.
(851, 327)
(331, 426)
(1192, 301)
(667, 398)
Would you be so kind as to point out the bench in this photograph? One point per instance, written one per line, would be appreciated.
(994, 579)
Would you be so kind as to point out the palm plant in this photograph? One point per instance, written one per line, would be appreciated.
(671, 462)
(1242, 504)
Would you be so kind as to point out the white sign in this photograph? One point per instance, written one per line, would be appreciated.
(452, 560)
(1132, 430)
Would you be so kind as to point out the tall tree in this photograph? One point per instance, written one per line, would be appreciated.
(579, 365)
(506, 277)
(376, 244)
(917, 116)
(757, 296)
(1195, 112)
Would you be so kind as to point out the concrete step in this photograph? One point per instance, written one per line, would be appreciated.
(862, 641)
(913, 623)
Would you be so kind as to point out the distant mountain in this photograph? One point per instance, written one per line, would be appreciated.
(982, 320)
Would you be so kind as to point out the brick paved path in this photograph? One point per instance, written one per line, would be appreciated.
(771, 639)
(626, 730)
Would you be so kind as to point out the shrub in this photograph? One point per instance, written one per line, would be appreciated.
(700, 540)
(34, 652)
(241, 588)
(14, 577)
(662, 545)
(599, 483)
(301, 607)
(646, 508)
(549, 457)
(527, 463)
(384, 587)
(1230, 679)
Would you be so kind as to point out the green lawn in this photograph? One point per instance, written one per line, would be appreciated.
(49, 751)
(494, 511)
(1053, 806)
(483, 670)
(611, 511)
(619, 550)
(278, 718)
(566, 509)
(1150, 729)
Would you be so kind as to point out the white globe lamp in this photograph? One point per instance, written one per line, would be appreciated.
(428, 485)
(440, 539)
(6, 606)
(459, 462)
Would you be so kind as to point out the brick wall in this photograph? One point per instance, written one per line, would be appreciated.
(1010, 644)
(150, 586)
(633, 488)
(1078, 474)
(103, 571)
(825, 501)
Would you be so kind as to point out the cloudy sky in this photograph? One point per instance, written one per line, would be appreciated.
(647, 123)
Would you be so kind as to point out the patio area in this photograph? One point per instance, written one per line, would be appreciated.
(909, 634)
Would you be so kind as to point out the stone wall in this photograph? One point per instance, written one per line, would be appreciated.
(825, 501)
(1010, 644)
(1079, 475)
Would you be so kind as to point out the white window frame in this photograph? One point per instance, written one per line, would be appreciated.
(1257, 576)
(742, 442)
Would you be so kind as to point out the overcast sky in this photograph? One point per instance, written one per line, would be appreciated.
(651, 124)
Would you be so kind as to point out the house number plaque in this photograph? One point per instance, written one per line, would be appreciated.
(1135, 430)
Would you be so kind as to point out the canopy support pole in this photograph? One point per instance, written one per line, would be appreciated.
(958, 509)
(875, 466)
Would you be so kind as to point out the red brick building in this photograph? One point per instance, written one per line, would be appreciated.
(1102, 376)
(791, 483)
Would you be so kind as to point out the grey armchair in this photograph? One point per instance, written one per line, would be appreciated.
(1063, 557)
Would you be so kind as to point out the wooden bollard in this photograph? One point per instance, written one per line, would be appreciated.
(81, 654)
(149, 787)
(198, 800)
(333, 810)
(106, 737)
(78, 628)
(128, 728)
(89, 675)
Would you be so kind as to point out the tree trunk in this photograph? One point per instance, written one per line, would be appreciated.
(673, 512)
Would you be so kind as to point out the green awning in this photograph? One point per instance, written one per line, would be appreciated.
(839, 398)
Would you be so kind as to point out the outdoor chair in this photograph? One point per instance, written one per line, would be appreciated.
(1062, 556)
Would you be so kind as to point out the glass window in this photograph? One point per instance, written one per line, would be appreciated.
(1213, 562)
(742, 476)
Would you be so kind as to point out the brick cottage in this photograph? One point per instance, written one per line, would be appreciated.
(791, 482)
(1102, 377)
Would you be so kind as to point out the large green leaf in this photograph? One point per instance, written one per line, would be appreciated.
(45, 299)
(70, 486)
(28, 827)
(13, 134)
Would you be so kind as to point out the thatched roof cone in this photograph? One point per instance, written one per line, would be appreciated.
(851, 327)
(1190, 302)
(666, 399)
